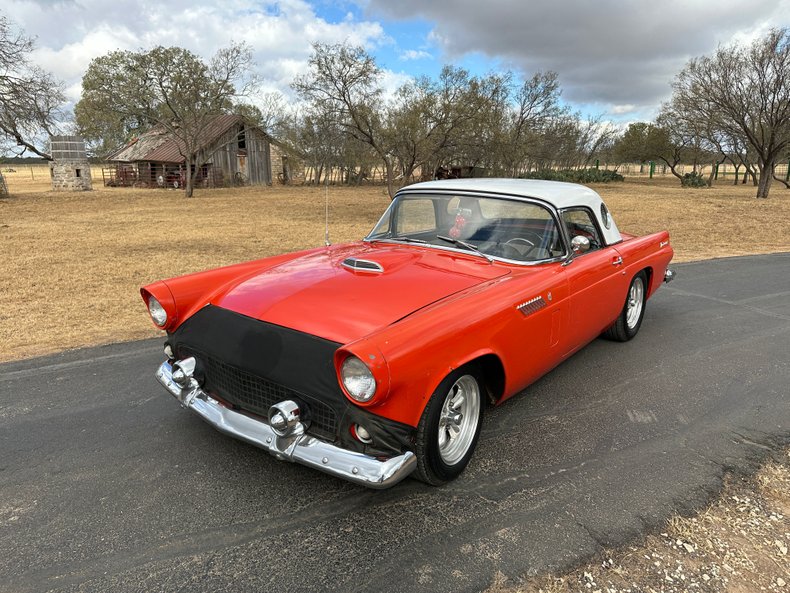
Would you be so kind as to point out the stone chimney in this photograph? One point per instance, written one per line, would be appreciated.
(69, 167)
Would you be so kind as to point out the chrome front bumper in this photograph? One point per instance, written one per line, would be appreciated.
(297, 446)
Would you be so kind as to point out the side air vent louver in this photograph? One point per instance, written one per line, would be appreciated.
(532, 306)
(362, 265)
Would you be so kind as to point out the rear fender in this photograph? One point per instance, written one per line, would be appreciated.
(651, 253)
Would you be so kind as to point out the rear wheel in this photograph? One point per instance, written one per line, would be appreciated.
(449, 427)
(630, 319)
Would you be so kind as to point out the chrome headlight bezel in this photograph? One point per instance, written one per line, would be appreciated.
(357, 379)
(157, 312)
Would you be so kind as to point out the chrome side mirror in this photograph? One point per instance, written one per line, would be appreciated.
(580, 244)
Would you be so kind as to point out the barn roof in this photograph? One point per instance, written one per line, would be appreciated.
(156, 146)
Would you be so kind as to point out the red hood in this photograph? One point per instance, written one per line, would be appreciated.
(315, 294)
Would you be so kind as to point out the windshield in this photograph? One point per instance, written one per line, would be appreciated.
(511, 229)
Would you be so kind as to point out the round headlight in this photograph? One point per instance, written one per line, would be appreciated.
(157, 311)
(357, 379)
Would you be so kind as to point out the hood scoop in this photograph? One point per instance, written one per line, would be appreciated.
(362, 265)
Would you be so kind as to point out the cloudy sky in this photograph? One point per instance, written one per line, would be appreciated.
(615, 58)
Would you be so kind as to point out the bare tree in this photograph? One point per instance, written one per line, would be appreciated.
(659, 141)
(536, 107)
(455, 119)
(433, 122)
(748, 91)
(343, 85)
(30, 98)
(272, 112)
(167, 87)
(593, 137)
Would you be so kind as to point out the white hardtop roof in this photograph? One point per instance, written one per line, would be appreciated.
(559, 194)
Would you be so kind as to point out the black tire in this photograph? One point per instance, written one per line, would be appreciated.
(630, 319)
(440, 458)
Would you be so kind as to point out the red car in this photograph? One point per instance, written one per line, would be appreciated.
(376, 359)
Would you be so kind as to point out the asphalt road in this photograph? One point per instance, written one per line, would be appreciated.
(107, 485)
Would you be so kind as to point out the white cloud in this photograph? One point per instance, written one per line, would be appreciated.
(392, 81)
(622, 109)
(71, 33)
(414, 54)
(611, 54)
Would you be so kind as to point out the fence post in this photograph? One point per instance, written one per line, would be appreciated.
(596, 163)
(652, 169)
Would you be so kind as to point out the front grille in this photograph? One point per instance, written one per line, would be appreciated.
(256, 394)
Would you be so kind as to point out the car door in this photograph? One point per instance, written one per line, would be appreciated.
(596, 281)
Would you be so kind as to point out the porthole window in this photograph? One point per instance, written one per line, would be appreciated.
(605, 217)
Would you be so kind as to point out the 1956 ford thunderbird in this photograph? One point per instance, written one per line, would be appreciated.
(375, 360)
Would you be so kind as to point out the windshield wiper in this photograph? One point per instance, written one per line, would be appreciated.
(407, 239)
(465, 245)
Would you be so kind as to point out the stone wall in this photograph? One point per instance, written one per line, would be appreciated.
(71, 175)
(286, 168)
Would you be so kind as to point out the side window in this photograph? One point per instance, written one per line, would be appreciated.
(416, 216)
(579, 221)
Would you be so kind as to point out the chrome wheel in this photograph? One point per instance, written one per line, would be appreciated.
(636, 300)
(458, 419)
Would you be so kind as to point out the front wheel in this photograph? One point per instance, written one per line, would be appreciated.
(449, 427)
(630, 319)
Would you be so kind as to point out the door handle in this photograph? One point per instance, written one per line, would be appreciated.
(617, 261)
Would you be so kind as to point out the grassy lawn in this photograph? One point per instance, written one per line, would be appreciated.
(73, 262)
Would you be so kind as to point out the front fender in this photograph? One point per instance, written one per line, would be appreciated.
(189, 293)
(482, 322)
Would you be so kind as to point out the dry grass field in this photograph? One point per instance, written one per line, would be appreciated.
(73, 262)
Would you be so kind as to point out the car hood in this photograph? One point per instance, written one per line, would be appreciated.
(317, 294)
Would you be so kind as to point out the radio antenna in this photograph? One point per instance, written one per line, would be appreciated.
(326, 213)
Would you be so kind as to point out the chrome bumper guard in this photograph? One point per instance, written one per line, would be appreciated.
(669, 275)
(296, 446)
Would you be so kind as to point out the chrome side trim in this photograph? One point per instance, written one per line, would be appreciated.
(532, 306)
(296, 446)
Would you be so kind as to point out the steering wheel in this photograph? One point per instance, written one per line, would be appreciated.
(530, 245)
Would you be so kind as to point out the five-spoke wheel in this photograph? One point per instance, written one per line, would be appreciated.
(635, 303)
(458, 420)
(449, 427)
(630, 319)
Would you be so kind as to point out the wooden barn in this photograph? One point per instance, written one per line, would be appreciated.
(231, 153)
